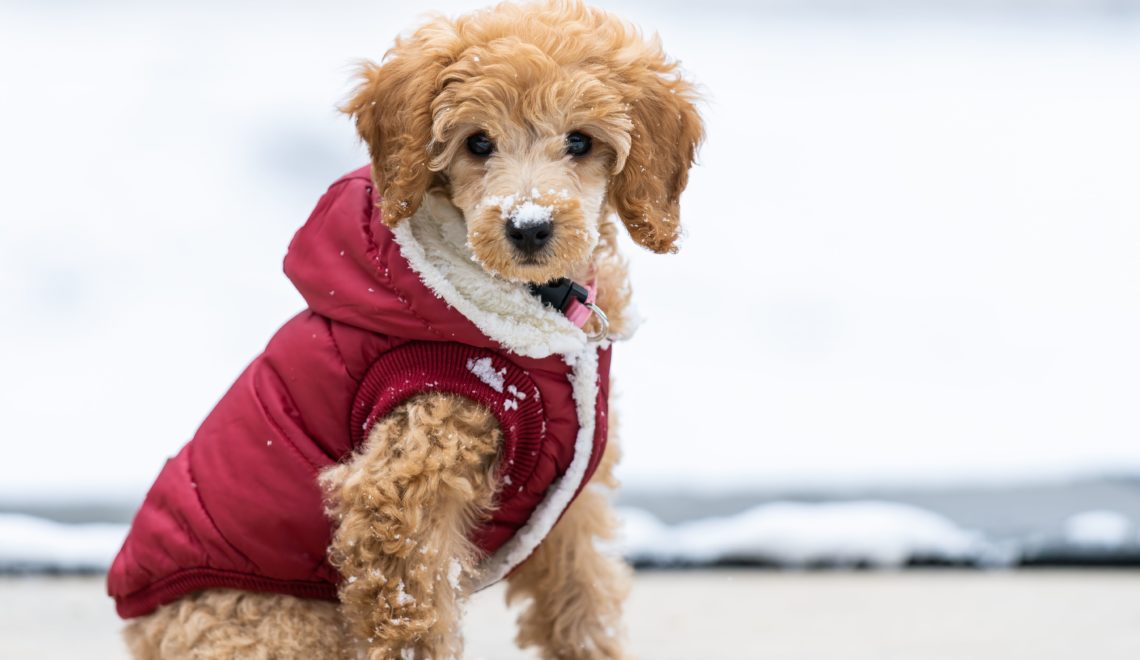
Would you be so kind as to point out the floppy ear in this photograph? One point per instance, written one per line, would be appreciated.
(392, 108)
(664, 139)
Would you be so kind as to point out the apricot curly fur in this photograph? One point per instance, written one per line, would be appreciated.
(238, 625)
(403, 508)
(574, 591)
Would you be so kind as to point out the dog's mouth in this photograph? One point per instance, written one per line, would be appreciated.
(535, 271)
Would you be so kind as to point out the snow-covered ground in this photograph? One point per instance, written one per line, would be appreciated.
(912, 247)
(939, 615)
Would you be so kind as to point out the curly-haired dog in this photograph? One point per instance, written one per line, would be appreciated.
(435, 402)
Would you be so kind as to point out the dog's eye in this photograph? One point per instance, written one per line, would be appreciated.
(578, 144)
(480, 145)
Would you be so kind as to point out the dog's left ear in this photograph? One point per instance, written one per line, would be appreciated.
(393, 111)
(664, 139)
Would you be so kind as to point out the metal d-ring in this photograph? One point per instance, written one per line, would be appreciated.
(605, 321)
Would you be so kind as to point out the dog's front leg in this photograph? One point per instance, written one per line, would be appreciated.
(403, 508)
(576, 590)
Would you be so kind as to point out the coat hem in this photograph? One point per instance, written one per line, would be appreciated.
(173, 587)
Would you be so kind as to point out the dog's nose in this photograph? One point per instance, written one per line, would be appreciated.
(531, 237)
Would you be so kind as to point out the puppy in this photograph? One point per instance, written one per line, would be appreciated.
(437, 419)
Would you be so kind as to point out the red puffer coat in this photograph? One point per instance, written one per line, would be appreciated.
(239, 506)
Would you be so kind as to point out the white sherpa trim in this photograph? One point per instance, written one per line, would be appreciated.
(434, 241)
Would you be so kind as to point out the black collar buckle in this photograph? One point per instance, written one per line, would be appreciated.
(558, 293)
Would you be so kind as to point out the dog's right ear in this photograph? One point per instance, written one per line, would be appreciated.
(392, 109)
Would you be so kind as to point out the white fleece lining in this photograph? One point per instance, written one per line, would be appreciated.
(434, 243)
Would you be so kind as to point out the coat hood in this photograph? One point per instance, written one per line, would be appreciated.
(417, 281)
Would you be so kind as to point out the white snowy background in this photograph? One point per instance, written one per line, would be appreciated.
(913, 251)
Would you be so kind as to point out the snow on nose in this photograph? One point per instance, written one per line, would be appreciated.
(529, 214)
(522, 215)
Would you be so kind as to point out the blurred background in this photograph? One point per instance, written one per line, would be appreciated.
(902, 329)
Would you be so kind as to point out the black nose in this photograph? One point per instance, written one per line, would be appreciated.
(530, 238)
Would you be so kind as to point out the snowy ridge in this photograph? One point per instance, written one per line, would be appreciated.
(872, 534)
(865, 534)
(34, 544)
(876, 534)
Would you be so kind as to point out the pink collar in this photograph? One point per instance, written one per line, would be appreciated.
(574, 300)
(579, 311)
